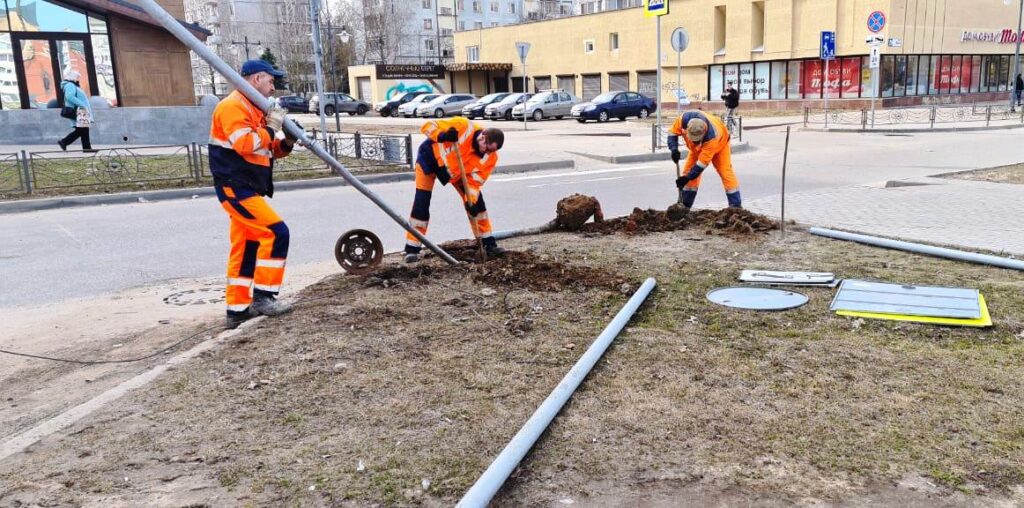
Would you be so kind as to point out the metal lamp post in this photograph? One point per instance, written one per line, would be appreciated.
(318, 55)
(1016, 56)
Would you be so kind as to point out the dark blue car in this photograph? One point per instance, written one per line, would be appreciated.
(476, 109)
(293, 103)
(614, 105)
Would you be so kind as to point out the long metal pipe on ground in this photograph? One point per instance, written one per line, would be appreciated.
(928, 250)
(172, 25)
(494, 477)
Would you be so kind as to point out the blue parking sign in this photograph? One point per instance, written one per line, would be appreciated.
(828, 45)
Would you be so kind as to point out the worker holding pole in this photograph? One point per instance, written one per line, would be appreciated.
(243, 145)
(708, 142)
(438, 159)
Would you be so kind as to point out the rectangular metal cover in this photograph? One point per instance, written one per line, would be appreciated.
(885, 298)
(775, 277)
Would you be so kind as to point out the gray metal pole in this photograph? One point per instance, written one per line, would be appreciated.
(171, 25)
(824, 91)
(318, 55)
(525, 90)
(1016, 59)
(918, 248)
(657, 94)
(679, 81)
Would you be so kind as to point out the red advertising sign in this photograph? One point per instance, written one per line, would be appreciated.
(842, 75)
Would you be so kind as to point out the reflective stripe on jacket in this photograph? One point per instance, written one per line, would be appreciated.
(242, 148)
(478, 167)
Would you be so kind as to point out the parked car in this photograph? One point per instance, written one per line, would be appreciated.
(408, 109)
(342, 102)
(390, 107)
(293, 103)
(503, 109)
(448, 104)
(547, 104)
(476, 108)
(616, 104)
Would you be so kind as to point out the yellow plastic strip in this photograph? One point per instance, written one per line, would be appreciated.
(984, 321)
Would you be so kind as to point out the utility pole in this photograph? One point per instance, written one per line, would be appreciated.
(245, 42)
(1016, 60)
(318, 53)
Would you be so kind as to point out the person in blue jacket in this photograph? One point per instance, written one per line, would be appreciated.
(76, 98)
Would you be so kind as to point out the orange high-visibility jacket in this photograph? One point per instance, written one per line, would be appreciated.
(478, 167)
(714, 141)
(242, 148)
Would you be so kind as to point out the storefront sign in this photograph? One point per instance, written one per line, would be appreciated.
(389, 71)
(1006, 36)
(841, 76)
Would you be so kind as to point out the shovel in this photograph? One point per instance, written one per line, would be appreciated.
(481, 254)
(678, 210)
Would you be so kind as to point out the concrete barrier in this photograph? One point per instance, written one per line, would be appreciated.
(171, 125)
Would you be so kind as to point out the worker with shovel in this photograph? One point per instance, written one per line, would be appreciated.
(455, 151)
(708, 142)
(243, 145)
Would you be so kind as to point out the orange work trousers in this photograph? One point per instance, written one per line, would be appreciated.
(259, 248)
(420, 216)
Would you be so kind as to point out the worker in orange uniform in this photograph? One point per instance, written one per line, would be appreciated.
(437, 159)
(243, 145)
(708, 142)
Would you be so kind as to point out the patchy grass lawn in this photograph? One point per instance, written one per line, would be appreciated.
(400, 388)
(1013, 173)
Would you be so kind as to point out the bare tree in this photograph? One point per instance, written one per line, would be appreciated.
(386, 24)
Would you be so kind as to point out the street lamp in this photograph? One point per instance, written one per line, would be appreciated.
(1016, 56)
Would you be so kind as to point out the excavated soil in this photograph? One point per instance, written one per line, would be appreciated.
(732, 222)
(574, 211)
(519, 269)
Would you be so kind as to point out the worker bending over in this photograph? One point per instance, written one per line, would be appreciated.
(437, 159)
(708, 142)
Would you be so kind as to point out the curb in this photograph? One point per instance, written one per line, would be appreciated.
(916, 131)
(35, 205)
(739, 147)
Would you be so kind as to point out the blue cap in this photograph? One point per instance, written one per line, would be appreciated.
(253, 66)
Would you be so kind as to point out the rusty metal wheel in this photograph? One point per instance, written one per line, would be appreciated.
(358, 251)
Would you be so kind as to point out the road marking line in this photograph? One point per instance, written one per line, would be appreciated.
(572, 173)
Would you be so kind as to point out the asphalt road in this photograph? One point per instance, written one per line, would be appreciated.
(77, 252)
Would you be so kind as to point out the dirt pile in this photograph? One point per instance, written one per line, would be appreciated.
(572, 212)
(734, 222)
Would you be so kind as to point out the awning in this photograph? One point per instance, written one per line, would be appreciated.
(128, 9)
(478, 66)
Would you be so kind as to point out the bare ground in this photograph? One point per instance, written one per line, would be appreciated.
(1004, 174)
(399, 388)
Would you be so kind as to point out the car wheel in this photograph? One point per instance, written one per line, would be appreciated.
(328, 110)
(602, 116)
(538, 115)
(439, 113)
(385, 112)
(643, 114)
(508, 115)
(581, 120)
(361, 110)
(351, 113)
(559, 117)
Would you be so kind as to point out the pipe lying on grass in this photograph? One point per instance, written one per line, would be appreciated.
(513, 233)
(928, 250)
(481, 493)
(182, 34)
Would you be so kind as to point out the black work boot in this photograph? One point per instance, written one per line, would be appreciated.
(494, 251)
(236, 318)
(411, 257)
(268, 305)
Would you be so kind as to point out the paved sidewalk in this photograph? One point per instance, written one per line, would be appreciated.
(962, 213)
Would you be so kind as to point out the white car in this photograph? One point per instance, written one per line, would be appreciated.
(444, 105)
(408, 110)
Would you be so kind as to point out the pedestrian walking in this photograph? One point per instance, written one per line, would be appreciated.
(243, 145)
(732, 100)
(1018, 87)
(708, 142)
(78, 100)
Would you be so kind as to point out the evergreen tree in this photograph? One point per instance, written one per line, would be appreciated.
(269, 57)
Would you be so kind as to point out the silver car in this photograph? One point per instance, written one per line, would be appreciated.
(547, 104)
(450, 104)
(342, 102)
(503, 109)
(408, 109)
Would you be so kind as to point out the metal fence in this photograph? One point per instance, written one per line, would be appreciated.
(137, 167)
(659, 133)
(914, 117)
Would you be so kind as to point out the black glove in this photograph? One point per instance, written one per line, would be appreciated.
(443, 175)
(449, 136)
(475, 208)
(675, 156)
(289, 137)
(682, 181)
(271, 132)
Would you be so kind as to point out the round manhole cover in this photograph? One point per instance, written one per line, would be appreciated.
(199, 296)
(757, 298)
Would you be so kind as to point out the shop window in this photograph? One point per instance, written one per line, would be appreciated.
(933, 74)
(955, 74)
(746, 86)
(831, 81)
(794, 71)
(732, 77)
(921, 79)
(887, 75)
(965, 74)
(720, 30)
(761, 75)
(44, 16)
(779, 80)
(976, 74)
(912, 75)
(1004, 72)
(72, 54)
(812, 79)
(850, 77)
(900, 78)
(942, 75)
(716, 82)
(757, 27)
(106, 81)
(867, 77)
(9, 95)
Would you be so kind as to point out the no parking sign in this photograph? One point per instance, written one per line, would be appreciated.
(876, 21)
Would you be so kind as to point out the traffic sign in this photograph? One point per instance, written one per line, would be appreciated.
(895, 42)
(874, 57)
(828, 45)
(876, 21)
(682, 97)
(522, 48)
(654, 8)
(874, 39)
(680, 39)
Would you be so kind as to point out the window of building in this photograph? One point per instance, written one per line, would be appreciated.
(494, 6)
(588, 46)
(446, 11)
(976, 74)
(778, 80)
(613, 41)
(746, 86)
(9, 96)
(428, 24)
(478, 24)
(477, 7)
(912, 63)
(462, 25)
(1004, 72)
(794, 70)
(447, 31)
(473, 54)
(955, 76)
(462, 5)
(965, 74)
(761, 76)
(716, 82)
(719, 30)
(849, 77)
(887, 75)
(428, 44)
(494, 23)
(45, 16)
(428, 4)
(900, 77)
(512, 8)
(757, 27)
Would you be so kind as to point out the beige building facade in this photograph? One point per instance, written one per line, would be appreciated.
(931, 51)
